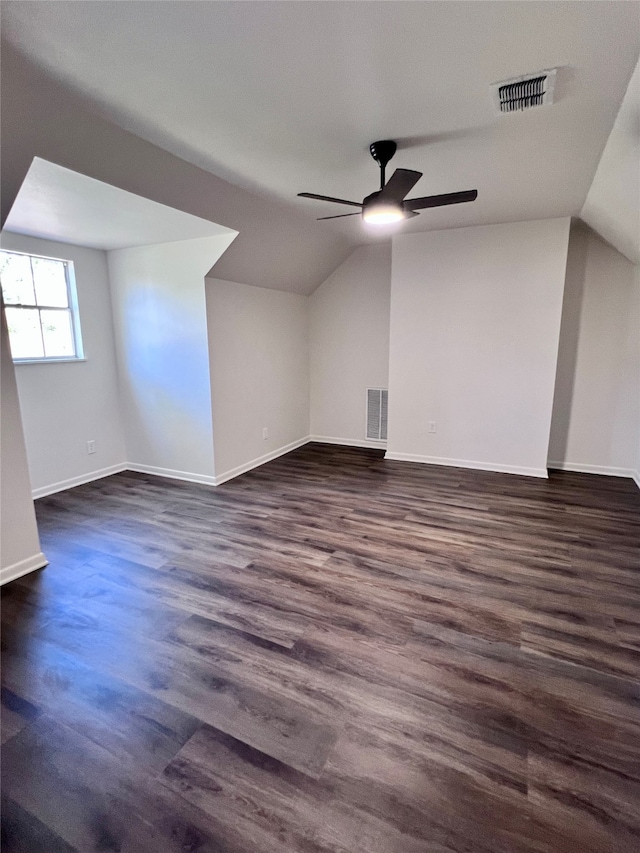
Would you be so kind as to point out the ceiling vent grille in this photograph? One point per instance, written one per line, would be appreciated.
(523, 93)
(377, 405)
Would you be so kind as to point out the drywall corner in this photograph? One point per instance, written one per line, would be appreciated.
(158, 297)
(475, 322)
(259, 369)
(349, 343)
(596, 412)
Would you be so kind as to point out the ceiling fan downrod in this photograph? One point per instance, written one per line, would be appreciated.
(390, 202)
(382, 151)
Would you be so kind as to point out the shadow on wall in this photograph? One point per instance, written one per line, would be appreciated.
(569, 337)
(596, 411)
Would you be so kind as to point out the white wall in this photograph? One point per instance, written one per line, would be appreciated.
(596, 420)
(66, 404)
(20, 546)
(160, 319)
(258, 341)
(475, 319)
(349, 344)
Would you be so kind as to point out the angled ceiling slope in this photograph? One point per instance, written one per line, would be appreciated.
(275, 248)
(282, 97)
(612, 207)
(57, 204)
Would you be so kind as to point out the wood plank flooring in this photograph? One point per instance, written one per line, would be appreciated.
(330, 654)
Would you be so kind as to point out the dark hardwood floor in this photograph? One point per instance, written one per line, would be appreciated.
(330, 654)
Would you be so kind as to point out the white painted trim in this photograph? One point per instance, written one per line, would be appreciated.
(206, 479)
(188, 476)
(23, 567)
(467, 463)
(72, 358)
(255, 463)
(43, 491)
(635, 475)
(350, 442)
(583, 468)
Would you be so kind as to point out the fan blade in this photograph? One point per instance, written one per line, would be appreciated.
(438, 200)
(399, 184)
(329, 198)
(340, 215)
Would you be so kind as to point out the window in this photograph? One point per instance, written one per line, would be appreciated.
(41, 307)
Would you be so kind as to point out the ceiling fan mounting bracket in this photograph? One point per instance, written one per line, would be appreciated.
(383, 151)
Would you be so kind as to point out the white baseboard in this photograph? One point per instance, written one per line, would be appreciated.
(348, 442)
(43, 491)
(172, 474)
(255, 463)
(583, 468)
(467, 463)
(23, 567)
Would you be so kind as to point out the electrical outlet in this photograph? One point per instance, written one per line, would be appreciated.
(431, 426)
(265, 433)
(91, 446)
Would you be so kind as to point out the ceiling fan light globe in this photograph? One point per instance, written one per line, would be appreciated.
(382, 214)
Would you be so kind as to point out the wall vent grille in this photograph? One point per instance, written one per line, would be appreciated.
(523, 93)
(377, 408)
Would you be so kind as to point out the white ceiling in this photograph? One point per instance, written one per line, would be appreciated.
(612, 207)
(58, 204)
(284, 97)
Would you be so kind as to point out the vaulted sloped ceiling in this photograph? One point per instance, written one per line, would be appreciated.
(64, 206)
(612, 207)
(275, 248)
(274, 98)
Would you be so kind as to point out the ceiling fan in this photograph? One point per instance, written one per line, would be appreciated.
(389, 203)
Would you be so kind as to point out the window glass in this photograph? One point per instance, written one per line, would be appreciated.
(50, 281)
(24, 332)
(17, 284)
(40, 306)
(57, 334)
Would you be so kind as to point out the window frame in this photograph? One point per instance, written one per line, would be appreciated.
(72, 308)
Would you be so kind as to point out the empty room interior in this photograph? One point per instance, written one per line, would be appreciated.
(320, 426)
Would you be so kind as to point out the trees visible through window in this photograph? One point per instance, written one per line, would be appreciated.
(41, 309)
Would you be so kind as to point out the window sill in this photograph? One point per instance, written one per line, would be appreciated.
(20, 362)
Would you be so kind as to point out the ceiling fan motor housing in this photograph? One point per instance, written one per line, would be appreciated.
(390, 202)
